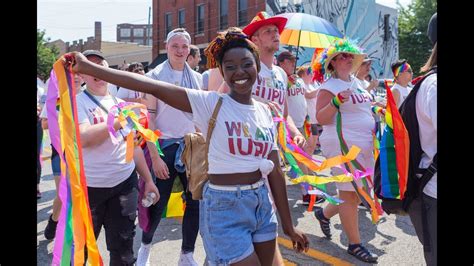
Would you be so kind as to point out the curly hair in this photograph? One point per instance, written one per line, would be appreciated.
(233, 37)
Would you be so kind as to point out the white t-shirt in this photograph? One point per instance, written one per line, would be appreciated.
(243, 135)
(357, 120)
(124, 93)
(404, 91)
(311, 103)
(297, 102)
(172, 123)
(270, 85)
(112, 88)
(104, 164)
(427, 114)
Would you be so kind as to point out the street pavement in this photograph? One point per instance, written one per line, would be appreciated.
(393, 239)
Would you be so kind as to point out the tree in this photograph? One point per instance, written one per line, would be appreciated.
(46, 56)
(413, 41)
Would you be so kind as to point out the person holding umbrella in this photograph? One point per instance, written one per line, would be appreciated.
(343, 107)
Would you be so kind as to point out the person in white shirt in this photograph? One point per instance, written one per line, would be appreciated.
(237, 221)
(194, 57)
(342, 92)
(363, 73)
(425, 207)
(402, 75)
(173, 125)
(112, 183)
(129, 95)
(311, 92)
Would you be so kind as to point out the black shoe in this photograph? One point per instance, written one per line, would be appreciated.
(50, 230)
(324, 222)
(361, 253)
(307, 199)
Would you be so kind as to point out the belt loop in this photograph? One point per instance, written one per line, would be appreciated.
(238, 191)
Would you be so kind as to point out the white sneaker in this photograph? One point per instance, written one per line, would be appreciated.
(143, 257)
(187, 259)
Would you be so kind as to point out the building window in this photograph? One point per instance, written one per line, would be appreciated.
(138, 32)
(223, 14)
(124, 32)
(200, 19)
(149, 36)
(168, 24)
(181, 19)
(242, 15)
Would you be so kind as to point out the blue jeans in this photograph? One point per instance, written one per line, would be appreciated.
(231, 221)
(190, 226)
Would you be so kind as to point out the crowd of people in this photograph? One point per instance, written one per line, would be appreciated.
(236, 216)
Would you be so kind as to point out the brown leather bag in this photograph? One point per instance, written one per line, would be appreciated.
(194, 156)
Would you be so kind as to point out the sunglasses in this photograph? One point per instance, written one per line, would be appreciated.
(345, 56)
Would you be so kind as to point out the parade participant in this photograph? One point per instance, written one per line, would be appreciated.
(112, 183)
(129, 95)
(343, 93)
(173, 125)
(363, 73)
(237, 222)
(50, 230)
(402, 75)
(423, 211)
(194, 57)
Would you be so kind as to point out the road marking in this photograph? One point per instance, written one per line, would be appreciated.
(289, 263)
(316, 254)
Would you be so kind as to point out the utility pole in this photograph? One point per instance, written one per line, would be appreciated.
(149, 30)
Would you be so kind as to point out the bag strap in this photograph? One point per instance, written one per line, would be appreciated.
(97, 102)
(212, 124)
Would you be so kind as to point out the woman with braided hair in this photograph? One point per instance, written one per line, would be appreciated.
(237, 222)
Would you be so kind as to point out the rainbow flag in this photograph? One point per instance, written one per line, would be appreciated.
(74, 232)
(394, 151)
(307, 127)
(175, 207)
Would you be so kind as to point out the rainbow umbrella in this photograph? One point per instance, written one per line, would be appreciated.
(307, 30)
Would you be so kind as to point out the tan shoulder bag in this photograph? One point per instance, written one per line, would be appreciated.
(194, 156)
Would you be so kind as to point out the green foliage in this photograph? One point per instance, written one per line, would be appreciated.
(45, 56)
(414, 44)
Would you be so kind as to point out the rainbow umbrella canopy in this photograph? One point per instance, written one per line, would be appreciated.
(307, 30)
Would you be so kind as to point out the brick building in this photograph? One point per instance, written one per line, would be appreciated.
(201, 18)
(136, 33)
(116, 53)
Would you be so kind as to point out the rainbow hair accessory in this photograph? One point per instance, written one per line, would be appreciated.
(402, 68)
(341, 45)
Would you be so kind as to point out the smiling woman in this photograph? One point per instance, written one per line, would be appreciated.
(243, 158)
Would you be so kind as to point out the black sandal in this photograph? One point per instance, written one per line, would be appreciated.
(324, 222)
(361, 253)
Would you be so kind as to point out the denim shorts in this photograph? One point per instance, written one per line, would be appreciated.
(231, 221)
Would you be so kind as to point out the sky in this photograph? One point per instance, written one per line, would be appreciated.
(74, 19)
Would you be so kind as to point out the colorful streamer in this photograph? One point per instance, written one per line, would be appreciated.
(295, 155)
(130, 122)
(75, 230)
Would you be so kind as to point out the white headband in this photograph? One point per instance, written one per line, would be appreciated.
(171, 34)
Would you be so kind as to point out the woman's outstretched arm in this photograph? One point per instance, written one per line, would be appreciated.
(174, 96)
